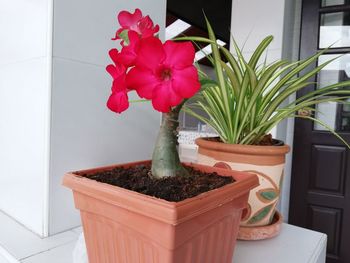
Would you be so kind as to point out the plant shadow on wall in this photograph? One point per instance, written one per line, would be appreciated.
(160, 210)
(245, 101)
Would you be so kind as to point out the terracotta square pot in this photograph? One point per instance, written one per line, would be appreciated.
(122, 226)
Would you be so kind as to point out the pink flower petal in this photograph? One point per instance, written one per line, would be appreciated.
(143, 81)
(118, 102)
(150, 53)
(115, 70)
(128, 20)
(164, 97)
(113, 53)
(179, 54)
(126, 58)
(185, 81)
(119, 84)
(146, 28)
(128, 54)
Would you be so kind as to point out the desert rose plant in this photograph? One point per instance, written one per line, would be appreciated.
(160, 72)
(117, 202)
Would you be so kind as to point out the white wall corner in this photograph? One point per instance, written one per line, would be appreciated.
(47, 172)
(285, 131)
(24, 103)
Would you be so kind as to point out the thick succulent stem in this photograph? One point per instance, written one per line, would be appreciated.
(165, 159)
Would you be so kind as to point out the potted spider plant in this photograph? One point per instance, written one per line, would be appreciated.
(246, 100)
(160, 210)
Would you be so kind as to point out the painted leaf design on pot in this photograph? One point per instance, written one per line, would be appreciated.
(246, 213)
(260, 215)
(267, 195)
(281, 180)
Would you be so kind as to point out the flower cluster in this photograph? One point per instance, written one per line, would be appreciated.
(160, 72)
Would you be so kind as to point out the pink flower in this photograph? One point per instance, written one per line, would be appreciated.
(128, 54)
(118, 101)
(113, 54)
(136, 22)
(164, 73)
(117, 71)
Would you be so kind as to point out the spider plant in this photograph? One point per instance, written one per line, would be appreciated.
(247, 100)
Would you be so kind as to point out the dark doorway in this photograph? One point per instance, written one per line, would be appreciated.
(218, 13)
(192, 13)
(320, 187)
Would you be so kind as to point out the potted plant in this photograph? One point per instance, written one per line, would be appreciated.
(246, 100)
(160, 210)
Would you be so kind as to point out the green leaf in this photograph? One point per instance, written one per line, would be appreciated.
(124, 36)
(281, 180)
(247, 100)
(207, 83)
(233, 63)
(219, 73)
(259, 51)
(197, 39)
(267, 194)
(260, 215)
(232, 77)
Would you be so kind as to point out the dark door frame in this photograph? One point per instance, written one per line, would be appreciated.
(305, 198)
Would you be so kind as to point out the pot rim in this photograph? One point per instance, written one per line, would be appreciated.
(172, 212)
(242, 148)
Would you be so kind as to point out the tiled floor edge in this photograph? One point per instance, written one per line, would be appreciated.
(46, 251)
(4, 253)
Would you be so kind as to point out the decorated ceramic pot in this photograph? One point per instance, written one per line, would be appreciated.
(267, 162)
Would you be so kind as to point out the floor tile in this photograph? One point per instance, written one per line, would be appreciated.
(6, 257)
(62, 254)
(22, 243)
(78, 230)
(3, 259)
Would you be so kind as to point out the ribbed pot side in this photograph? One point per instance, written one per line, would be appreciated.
(267, 162)
(122, 226)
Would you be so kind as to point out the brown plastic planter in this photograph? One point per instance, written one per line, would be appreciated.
(122, 226)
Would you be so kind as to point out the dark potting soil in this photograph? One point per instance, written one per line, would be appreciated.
(267, 140)
(178, 188)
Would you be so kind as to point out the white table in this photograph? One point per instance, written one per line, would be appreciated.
(293, 245)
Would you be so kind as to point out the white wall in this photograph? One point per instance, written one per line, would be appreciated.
(24, 93)
(84, 133)
(53, 93)
(252, 21)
